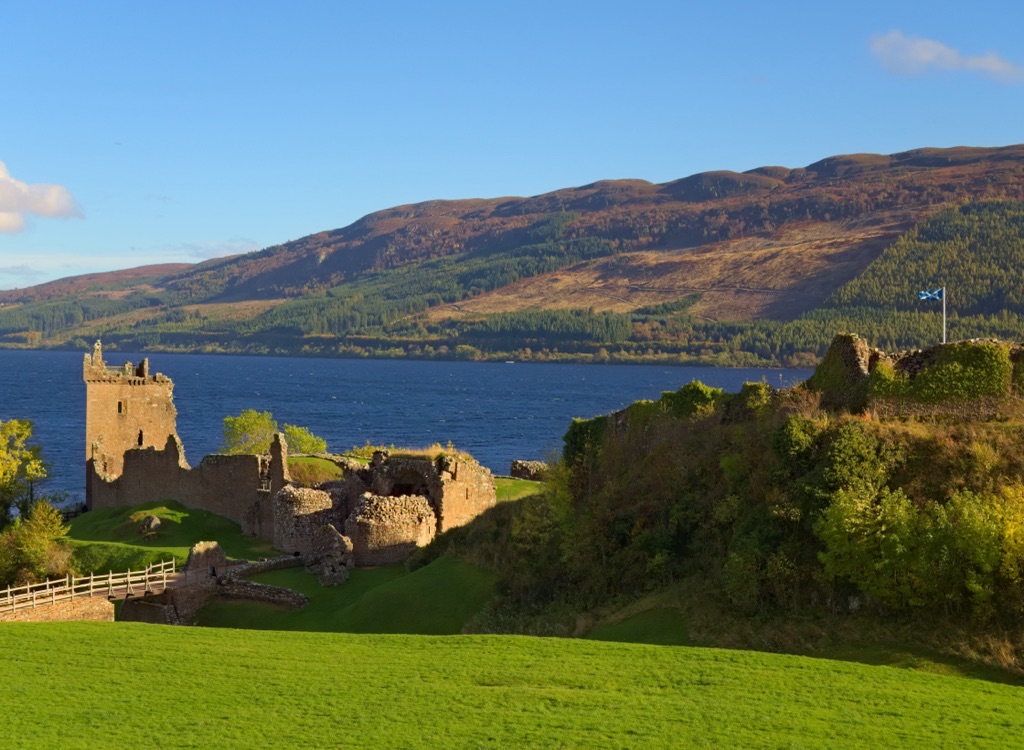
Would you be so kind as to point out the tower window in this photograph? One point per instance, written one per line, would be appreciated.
(140, 438)
(122, 407)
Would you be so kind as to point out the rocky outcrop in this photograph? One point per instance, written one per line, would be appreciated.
(386, 530)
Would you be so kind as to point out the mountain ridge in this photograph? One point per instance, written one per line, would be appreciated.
(770, 243)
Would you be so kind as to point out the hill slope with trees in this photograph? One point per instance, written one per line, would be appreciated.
(718, 267)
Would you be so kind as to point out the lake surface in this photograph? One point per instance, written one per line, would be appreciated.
(497, 412)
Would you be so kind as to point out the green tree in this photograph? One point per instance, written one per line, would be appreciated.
(250, 432)
(301, 440)
(33, 547)
(20, 466)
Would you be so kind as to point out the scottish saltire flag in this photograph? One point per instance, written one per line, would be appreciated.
(930, 294)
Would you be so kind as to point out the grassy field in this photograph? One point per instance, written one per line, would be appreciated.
(90, 685)
(508, 489)
(435, 600)
(109, 539)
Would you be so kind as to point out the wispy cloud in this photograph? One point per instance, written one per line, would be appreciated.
(189, 252)
(18, 276)
(18, 200)
(914, 55)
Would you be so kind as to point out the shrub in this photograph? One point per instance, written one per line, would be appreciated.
(693, 399)
(965, 371)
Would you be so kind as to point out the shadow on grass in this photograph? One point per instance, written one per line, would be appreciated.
(437, 599)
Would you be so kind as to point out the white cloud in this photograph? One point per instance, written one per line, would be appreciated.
(18, 199)
(913, 55)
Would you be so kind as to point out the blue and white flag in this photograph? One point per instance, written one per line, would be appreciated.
(930, 294)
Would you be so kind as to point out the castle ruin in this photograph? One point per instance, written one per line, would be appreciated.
(386, 509)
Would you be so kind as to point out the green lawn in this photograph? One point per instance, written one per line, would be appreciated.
(508, 489)
(96, 685)
(109, 539)
(437, 599)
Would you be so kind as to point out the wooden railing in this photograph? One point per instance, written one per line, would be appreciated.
(153, 579)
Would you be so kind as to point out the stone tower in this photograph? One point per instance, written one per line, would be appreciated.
(126, 408)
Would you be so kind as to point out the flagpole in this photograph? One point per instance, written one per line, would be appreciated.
(943, 315)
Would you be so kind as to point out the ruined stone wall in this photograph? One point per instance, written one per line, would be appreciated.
(298, 513)
(262, 592)
(535, 471)
(964, 411)
(125, 408)
(235, 487)
(466, 491)
(91, 608)
(457, 487)
(153, 610)
(386, 530)
(188, 600)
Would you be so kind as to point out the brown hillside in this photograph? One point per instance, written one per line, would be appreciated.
(111, 281)
(708, 209)
(771, 241)
(777, 276)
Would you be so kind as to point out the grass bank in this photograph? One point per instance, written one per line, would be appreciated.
(110, 539)
(153, 686)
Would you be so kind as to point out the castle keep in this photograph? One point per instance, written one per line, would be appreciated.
(398, 502)
(125, 408)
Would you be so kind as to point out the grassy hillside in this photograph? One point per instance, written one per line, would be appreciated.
(109, 539)
(718, 268)
(152, 686)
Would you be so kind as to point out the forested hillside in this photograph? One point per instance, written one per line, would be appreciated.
(718, 268)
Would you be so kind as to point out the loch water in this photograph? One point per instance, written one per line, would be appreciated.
(496, 411)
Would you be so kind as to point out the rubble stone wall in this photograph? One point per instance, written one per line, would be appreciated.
(532, 470)
(386, 530)
(91, 608)
(298, 513)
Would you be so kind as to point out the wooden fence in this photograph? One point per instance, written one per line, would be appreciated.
(153, 579)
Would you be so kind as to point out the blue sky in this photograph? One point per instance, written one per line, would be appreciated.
(137, 133)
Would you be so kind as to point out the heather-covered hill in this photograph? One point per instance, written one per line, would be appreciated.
(713, 249)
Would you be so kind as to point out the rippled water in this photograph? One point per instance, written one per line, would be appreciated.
(497, 412)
